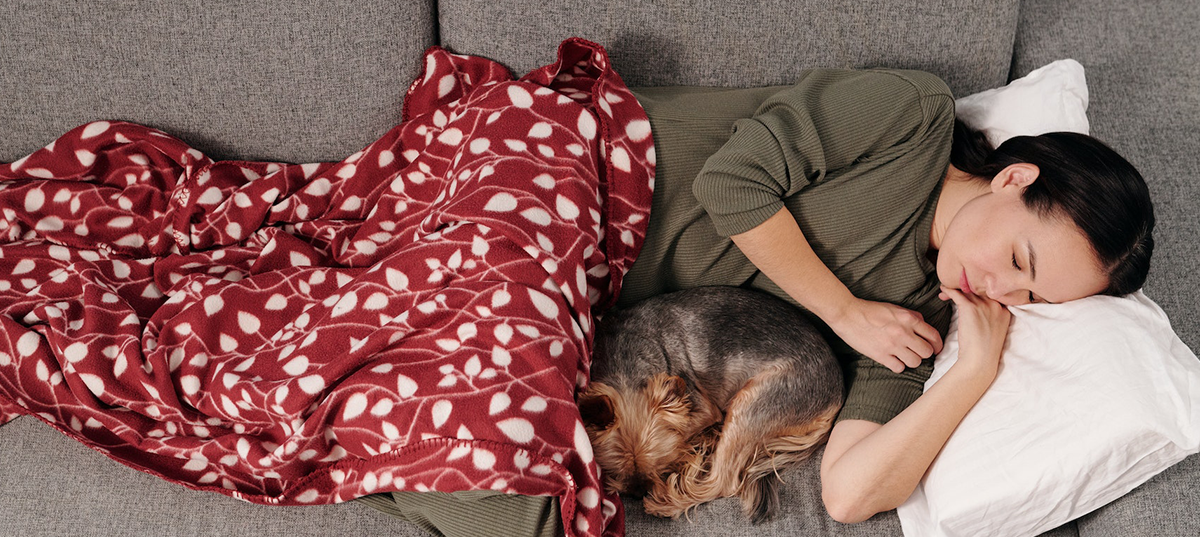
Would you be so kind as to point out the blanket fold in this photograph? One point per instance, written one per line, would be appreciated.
(415, 317)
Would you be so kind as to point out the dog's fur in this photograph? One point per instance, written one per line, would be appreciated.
(707, 393)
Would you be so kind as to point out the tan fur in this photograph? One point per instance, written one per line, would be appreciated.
(652, 427)
(736, 464)
(679, 458)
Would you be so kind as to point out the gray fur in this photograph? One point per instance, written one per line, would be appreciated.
(716, 339)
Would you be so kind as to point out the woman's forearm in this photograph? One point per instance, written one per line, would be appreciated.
(780, 250)
(891, 335)
(868, 468)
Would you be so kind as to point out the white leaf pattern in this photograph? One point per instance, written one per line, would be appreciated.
(285, 308)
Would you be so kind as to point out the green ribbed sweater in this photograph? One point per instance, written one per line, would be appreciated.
(857, 157)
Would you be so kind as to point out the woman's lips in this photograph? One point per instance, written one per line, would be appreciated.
(964, 284)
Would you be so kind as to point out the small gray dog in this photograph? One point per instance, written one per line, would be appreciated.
(707, 393)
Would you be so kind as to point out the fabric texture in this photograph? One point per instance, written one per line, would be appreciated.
(1051, 98)
(748, 43)
(1093, 397)
(285, 80)
(83, 501)
(856, 156)
(307, 334)
(85, 494)
(1141, 69)
(475, 513)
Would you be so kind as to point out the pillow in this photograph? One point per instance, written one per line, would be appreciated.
(1051, 98)
(1093, 398)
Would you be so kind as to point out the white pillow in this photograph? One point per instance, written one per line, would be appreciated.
(1093, 398)
(1051, 98)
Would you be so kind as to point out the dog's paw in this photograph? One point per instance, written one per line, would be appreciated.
(667, 500)
(662, 507)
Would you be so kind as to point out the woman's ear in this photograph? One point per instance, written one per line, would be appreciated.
(1015, 176)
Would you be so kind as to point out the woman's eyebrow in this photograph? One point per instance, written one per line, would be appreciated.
(1032, 261)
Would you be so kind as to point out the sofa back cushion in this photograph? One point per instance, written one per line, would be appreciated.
(291, 80)
(746, 42)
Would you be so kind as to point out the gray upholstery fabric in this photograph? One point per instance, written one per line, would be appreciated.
(1144, 85)
(1166, 506)
(801, 513)
(290, 80)
(746, 42)
(52, 486)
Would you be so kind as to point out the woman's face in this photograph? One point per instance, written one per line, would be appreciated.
(997, 248)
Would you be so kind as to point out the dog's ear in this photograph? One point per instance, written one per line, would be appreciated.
(597, 411)
(678, 387)
(670, 393)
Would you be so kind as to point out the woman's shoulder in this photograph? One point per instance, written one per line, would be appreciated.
(924, 83)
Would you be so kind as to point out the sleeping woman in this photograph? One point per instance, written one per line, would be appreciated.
(858, 196)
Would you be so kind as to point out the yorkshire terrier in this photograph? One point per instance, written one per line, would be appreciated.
(707, 393)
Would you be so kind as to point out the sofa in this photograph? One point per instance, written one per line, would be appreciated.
(308, 81)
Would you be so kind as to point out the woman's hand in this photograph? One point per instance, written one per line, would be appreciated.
(889, 334)
(982, 328)
(869, 468)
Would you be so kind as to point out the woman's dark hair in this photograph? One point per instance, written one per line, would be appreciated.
(1081, 178)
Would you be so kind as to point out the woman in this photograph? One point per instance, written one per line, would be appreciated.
(856, 195)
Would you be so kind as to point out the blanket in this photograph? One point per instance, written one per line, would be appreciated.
(416, 317)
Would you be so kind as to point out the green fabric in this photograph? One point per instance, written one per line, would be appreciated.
(476, 513)
(858, 158)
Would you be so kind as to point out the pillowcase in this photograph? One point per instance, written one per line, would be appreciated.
(1093, 397)
(1051, 98)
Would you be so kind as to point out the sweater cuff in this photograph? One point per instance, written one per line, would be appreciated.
(728, 225)
(877, 394)
(737, 186)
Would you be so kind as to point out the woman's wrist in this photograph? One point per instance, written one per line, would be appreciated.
(837, 306)
(982, 372)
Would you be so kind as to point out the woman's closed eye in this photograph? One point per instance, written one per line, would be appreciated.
(1017, 266)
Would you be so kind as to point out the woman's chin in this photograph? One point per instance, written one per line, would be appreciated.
(947, 277)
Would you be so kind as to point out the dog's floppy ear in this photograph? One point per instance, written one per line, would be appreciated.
(596, 409)
(669, 392)
(678, 387)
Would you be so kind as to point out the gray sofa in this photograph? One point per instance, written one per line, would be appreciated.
(317, 80)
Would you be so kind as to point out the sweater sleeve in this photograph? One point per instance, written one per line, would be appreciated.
(831, 119)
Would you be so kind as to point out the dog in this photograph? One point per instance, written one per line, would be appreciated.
(707, 393)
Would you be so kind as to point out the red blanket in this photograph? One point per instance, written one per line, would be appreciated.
(415, 317)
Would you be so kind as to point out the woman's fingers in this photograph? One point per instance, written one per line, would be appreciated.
(930, 335)
(893, 363)
(894, 336)
(920, 350)
(960, 298)
(909, 357)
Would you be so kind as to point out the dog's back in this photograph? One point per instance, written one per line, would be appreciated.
(716, 338)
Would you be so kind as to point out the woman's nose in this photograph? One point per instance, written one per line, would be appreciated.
(1011, 293)
(1001, 289)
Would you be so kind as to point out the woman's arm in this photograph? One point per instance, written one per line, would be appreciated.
(891, 335)
(828, 121)
(869, 468)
